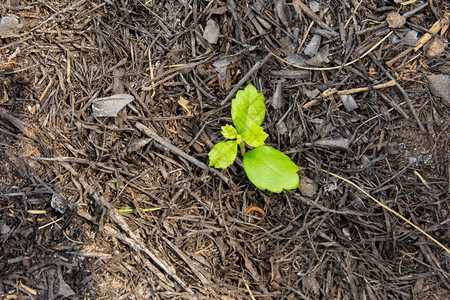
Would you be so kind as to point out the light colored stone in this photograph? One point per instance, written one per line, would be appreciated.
(211, 33)
(307, 187)
(395, 20)
(436, 48)
(10, 26)
(440, 87)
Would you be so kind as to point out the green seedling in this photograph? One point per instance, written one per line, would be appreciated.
(133, 210)
(266, 167)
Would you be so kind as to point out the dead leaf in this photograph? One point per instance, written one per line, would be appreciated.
(59, 203)
(282, 128)
(220, 10)
(221, 65)
(315, 6)
(110, 106)
(297, 59)
(311, 94)
(4, 229)
(64, 289)
(137, 144)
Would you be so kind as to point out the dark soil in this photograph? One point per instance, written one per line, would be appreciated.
(65, 172)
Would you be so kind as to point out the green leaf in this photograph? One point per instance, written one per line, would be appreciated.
(247, 109)
(229, 132)
(223, 154)
(255, 136)
(271, 169)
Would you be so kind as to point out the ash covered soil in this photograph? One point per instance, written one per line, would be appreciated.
(126, 207)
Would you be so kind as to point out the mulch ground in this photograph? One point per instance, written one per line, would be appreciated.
(125, 207)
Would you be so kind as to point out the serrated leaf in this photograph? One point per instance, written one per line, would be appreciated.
(247, 109)
(229, 132)
(268, 168)
(223, 154)
(255, 136)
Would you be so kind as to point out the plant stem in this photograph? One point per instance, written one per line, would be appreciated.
(242, 146)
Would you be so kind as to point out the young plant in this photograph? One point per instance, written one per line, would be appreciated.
(266, 167)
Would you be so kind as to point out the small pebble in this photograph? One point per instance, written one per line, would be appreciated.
(436, 48)
(10, 26)
(410, 38)
(59, 203)
(392, 148)
(395, 20)
(211, 33)
(346, 232)
(349, 103)
(440, 87)
(307, 187)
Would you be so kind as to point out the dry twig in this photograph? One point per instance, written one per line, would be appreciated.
(165, 143)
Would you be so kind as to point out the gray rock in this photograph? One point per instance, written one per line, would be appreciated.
(410, 38)
(349, 103)
(440, 87)
(10, 26)
(211, 33)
